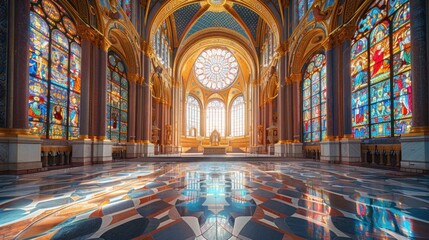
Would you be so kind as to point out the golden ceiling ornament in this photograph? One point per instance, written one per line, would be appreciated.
(216, 5)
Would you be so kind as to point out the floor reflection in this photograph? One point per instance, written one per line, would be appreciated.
(221, 200)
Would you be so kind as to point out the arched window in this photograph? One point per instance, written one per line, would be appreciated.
(193, 116)
(314, 99)
(268, 48)
(215, 117)
(237, 117)
(161, 45)
(54, 68)
(381, 77)
(127, 6)
(117, 99)
(303, 7)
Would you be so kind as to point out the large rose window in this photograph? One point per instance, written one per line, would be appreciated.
(216, 69)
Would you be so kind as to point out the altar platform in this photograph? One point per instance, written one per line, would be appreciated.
(214, 150)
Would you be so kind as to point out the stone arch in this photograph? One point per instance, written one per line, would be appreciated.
(307, 46)
(169, 7)
(124, 46)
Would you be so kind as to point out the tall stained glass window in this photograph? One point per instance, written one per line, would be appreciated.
(314, 99)
(215, 117)
(238, 108)
(117, 99)
(193, 116)
(303, 7)
(54, 69)
(161, 45)
(381, 76)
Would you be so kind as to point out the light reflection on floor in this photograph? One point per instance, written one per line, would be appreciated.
(221, 200)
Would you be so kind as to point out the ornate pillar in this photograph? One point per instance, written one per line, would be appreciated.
(415, 146)
(4, 66)
(102, 146)
(132, 149)
(148, 149)
(139, 109)
(296, 148)
(350, 148)
(20, 62)
(330, 146)
(82, 148)
(17, 147)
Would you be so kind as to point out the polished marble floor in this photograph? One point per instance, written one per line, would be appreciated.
(215, 200)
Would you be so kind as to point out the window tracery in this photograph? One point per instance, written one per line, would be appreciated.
(381, 76)
(193, 115)
(238, 108)
(117, 99)
(216, 69)
(215, 117)
(54, 69)
(314, 99)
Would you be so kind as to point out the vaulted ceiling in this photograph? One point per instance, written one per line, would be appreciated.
(193, 18)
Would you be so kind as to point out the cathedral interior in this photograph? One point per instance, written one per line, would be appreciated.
(214, 119)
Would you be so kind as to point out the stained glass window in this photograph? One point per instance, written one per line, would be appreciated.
(117, 99)
(237, 117)
(381, 76)
(303, 7)
(314, 99)
(161, 45)
(215, 117)
(216, 68)
(127, 7)
(193, 116)
(54, 68)
(268, 48)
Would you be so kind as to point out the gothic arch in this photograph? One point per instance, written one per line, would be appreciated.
(305, 48)
(169, 7)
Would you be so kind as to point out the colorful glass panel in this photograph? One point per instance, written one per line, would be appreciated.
(128, 8)
(301, 8)
(216, 69)
(56, 49)
(117, 99)
(314, 99)
(389, 58)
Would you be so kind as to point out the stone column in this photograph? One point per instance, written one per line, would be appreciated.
(330, 146)
(102, 146)
(132, 150)
(148, 149)
(81, 148)
(350, 148)
(296, 147)
(19, 151)
(280, 148)
(415, 146)
(289, 116)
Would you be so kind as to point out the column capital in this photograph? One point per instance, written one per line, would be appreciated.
(135, 77)
(282, 49)
(339, 36)
(346, 33)
(147, 48)
(330, 42)
(86, 32)
(294, 78)
(105, 44)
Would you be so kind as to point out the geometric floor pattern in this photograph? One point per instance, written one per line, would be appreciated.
(215, 200)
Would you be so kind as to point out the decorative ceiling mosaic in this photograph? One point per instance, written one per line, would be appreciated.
(217, 20)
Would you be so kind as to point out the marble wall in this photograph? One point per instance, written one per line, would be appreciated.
(3, 60)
